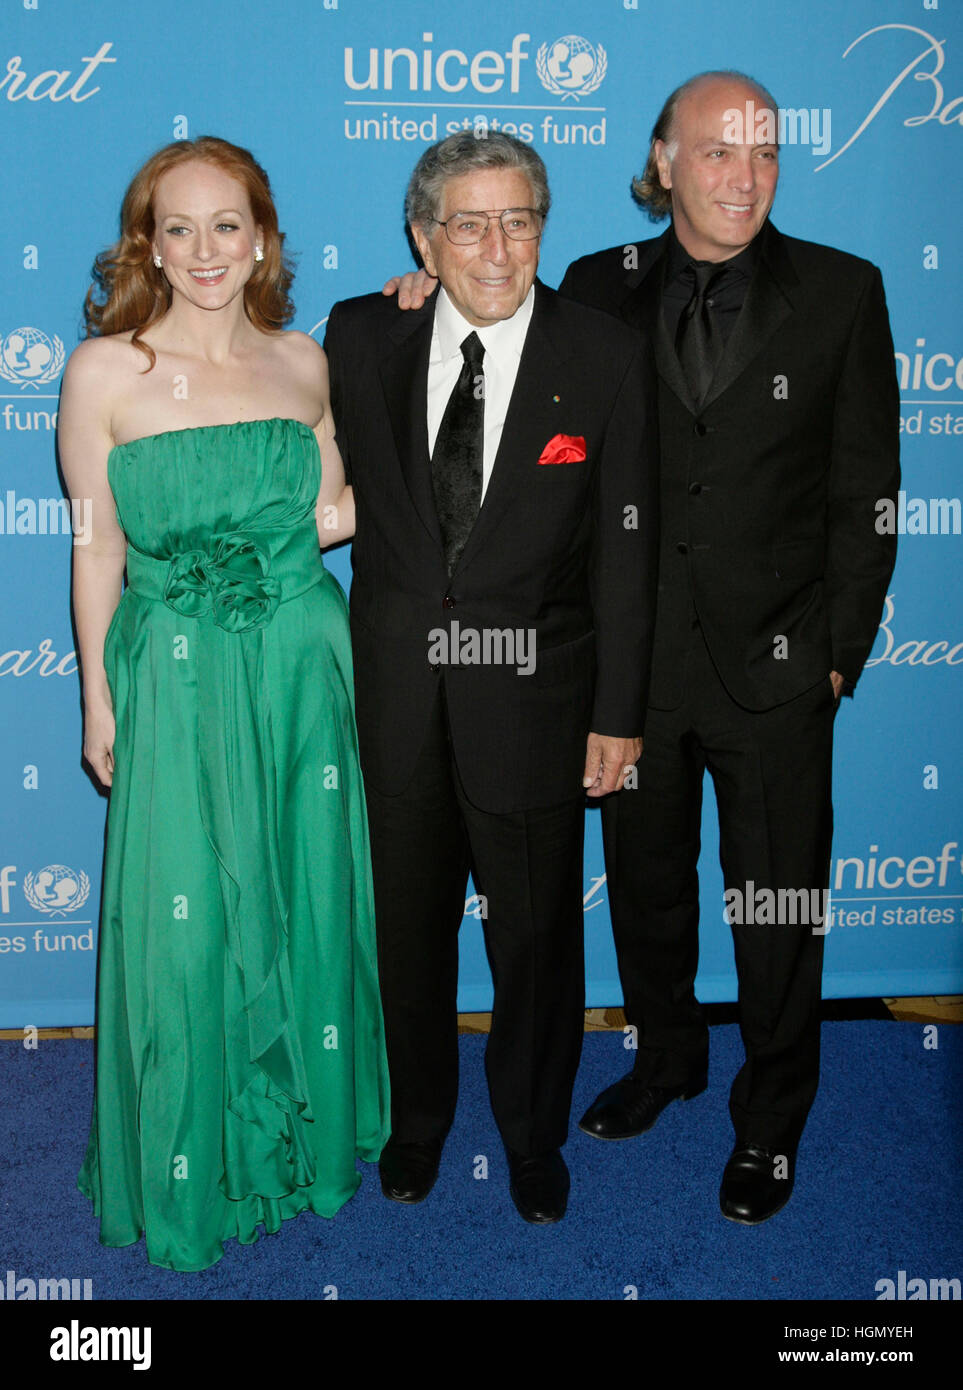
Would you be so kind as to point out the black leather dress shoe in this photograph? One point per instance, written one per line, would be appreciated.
(408, 1171)
(539, 1186)
(632, 1106)
(757, 1182)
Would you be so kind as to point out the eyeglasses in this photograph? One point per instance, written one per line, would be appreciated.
(519, 224)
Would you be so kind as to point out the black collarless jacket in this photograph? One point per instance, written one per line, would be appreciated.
(565, 553)
(769, 490)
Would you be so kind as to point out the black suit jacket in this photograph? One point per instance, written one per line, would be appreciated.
(769, 491)
(557, 550)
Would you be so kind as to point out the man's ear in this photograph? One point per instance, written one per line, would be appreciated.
(424, 248)
(663, 163)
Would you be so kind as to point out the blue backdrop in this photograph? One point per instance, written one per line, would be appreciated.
(337, 98)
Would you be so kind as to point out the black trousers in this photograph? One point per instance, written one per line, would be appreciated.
(527, 868)
(772, 775)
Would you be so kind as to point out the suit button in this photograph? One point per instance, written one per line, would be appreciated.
(682, 548)
(448, 601)
(695, 489)
(700, 428)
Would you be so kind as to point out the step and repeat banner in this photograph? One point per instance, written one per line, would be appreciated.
(337, 99)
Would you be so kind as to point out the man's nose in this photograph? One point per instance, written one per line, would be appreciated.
(495, 243)
(742, 172)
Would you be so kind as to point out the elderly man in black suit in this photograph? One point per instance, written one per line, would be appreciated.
(502, 446)
(779, 417)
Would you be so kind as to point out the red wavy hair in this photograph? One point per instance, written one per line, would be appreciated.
(132, 293)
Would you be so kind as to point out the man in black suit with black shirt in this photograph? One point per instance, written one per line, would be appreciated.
(779, 415)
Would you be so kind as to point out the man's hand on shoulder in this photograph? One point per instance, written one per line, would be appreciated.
(608, 762)
(412, 289)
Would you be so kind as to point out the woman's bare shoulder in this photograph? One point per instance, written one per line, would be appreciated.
(100, 381)
(305, 365)
(99, 359)
(302, 349)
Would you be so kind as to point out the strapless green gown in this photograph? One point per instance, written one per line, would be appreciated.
(240, 1049)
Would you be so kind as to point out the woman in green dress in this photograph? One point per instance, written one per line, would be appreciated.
(240, 1050)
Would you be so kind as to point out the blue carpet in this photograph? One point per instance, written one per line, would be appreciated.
(877, 1191)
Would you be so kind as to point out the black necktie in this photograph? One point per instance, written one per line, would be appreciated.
(698, 340)
(456, 463)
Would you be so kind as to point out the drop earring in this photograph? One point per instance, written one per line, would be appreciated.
(158, 262)
(258, 254)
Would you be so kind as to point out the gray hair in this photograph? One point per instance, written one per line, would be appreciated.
(647, 190)
(463, 153)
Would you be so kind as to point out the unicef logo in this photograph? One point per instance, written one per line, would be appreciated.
(571, 66)
(56, 889)
(29, 358)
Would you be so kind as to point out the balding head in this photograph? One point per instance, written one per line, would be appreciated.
(648, 190)
(716, 163)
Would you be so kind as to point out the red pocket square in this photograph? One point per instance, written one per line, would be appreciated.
(564, 448)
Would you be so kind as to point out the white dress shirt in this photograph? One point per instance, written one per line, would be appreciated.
(503, 343)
